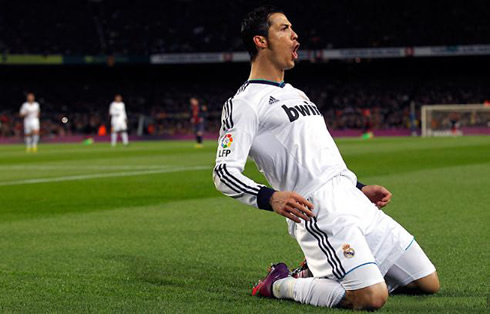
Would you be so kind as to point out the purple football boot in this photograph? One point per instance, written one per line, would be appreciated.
(264, 287)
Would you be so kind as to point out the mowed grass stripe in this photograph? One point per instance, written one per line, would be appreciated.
(157, 255)
(79, 167)
(171, 243)
(101, 175)
(101, 153)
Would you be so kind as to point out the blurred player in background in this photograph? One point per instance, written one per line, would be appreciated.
(368, 124)
(30, 111)
(454, 121)
(198, 115)
(119, 120)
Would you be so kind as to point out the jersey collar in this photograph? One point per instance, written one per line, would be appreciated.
(260, 81)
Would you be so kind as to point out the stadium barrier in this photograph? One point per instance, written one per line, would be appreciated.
(187, 136)
(222, 57)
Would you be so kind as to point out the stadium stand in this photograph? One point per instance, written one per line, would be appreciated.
(346, 94)
(129, 27)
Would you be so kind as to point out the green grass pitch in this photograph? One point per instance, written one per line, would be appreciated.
(142, 228)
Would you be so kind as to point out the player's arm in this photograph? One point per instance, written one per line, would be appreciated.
(239, 126)
(23, 111)
(112, 109)
(124, 112)
(377, 194)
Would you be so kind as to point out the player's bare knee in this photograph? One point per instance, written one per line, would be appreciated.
(371, 302)
(430, 284)
(375, 300)
(369, 298)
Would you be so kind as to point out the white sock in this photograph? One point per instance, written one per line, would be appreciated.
(113, 138)
(318, 291)
(35, 140)
(124, 136)
(28, 140)
(284, 288)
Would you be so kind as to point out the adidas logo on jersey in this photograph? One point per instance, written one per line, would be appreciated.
(272, 100)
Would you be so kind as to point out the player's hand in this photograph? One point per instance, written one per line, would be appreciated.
(291, 205)
(377, 194)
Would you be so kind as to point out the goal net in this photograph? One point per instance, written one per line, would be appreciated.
(455, 120)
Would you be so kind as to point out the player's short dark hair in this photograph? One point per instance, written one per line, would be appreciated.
(256, 23)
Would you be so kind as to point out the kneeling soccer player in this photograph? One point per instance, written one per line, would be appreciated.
(353, 249)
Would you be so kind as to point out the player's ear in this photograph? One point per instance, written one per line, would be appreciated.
(260, 41)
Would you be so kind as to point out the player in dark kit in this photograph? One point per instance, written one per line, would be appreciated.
(198, 117)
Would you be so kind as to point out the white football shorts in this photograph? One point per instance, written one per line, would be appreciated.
(119, 126)
(31, 125)
(350, 239)
(414, 264)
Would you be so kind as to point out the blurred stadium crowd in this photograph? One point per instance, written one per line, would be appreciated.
(157, 104)
(144, 27)
(160, 106)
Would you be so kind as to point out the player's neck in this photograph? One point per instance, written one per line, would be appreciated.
(264, 70)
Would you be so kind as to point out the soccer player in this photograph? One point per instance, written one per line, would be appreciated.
(119, 120)
(454, 121)
(197, 119)
(356, 253)
(30, 111)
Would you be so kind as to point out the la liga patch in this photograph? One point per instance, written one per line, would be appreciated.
(226, 141)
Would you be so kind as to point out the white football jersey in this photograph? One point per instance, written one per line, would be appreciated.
(278, 127)
(30, 111)
(117, 110)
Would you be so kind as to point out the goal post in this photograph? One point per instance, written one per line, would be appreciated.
(454, 120)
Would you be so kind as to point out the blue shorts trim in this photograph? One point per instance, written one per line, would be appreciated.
(357, 268)
(410, 243)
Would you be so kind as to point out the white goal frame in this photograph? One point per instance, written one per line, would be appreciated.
(426, 113)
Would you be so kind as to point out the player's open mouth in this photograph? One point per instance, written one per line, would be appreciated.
(295, 52)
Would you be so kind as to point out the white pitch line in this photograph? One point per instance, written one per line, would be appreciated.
(83, 167)
(100, 175)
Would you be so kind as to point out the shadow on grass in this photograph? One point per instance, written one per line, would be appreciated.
(170, 272)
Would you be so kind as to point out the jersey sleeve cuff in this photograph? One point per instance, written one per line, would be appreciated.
(359, 185)
(264, 197)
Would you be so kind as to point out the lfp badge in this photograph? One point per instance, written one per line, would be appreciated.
(225, 145)
(226, 141)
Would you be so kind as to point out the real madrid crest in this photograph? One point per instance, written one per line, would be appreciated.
(348, 251)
